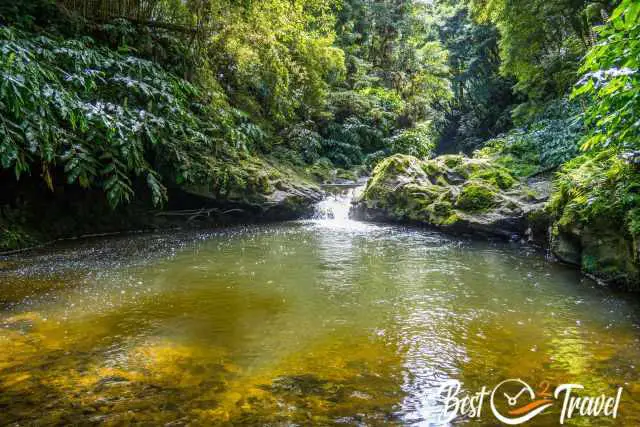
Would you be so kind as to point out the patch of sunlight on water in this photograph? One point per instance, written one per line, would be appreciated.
(326, 321)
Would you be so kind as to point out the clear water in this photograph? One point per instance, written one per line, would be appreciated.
(320, 322)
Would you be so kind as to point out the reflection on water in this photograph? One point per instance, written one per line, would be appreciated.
(326, 321)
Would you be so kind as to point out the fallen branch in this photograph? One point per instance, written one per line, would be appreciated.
(195, 213)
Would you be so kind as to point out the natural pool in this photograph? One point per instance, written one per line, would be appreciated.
(320, 322)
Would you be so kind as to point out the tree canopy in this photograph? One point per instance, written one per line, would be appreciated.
(118, 96)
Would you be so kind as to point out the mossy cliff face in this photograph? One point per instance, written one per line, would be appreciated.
(600, 249)
(452, 192)
(597, 208)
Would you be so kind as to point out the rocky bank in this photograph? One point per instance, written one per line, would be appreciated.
(476, 196)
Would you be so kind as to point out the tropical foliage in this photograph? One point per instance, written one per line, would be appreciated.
(610, 87)
(135, 98)
(604, 182)
(101, 116)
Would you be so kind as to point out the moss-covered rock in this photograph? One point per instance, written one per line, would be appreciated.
(476, 196)
(595, 205)
(599, 248)
(481, 196)
(452, 192)
(258, 189)
(452, 161)
(498, 176)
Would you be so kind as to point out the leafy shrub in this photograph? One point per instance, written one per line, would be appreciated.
(386, 99)
(513, 151)
(595, 186)
(549, 139)
(104, 117)
(305, 140)
(341, 153)
(604, 183)
(357, 132)
(611, 83)
(417, 141)
(347, 103)
(556, 132)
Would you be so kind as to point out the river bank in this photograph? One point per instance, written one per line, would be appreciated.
(262, 190)
(478, 196)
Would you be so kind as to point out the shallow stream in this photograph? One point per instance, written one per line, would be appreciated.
(325, 322)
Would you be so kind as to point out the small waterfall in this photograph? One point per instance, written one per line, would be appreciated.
(336, 206)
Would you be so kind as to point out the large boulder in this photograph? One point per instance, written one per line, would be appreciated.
(257, 191)
(457, 194)
(476, 196)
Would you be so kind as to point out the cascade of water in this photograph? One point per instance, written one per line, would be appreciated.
(337, 205)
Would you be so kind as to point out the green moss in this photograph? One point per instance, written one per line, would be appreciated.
(452, 160)
(417, 200)
(476, 197)
(497, 176)
(451, 219)
(441, 209)
(441, 181)
(472, 166)
(446, 196)
(431, 168)
(398, 164)
(387, 170)
(421, 192)
(462, 170)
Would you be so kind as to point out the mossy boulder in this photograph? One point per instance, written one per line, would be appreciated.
(452, 192)
(257, 189)
(476, 196)
(595, 205)
(480, 196)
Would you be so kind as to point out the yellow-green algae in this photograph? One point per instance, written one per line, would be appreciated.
(163, 380)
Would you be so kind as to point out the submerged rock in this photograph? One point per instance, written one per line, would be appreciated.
(454, 193)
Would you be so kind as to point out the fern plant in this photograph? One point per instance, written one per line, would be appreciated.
(104, 118)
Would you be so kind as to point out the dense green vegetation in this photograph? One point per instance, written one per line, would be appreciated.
(133, 99)
(211, 81)
(604, 181)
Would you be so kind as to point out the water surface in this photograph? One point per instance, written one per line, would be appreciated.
(323, 322)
